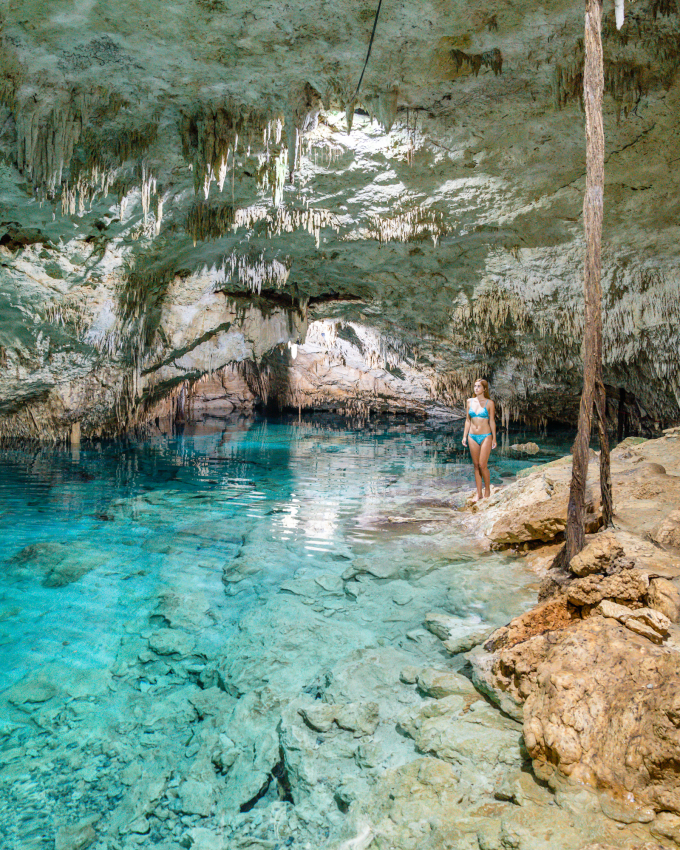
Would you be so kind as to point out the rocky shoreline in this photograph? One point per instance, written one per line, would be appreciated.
(592, 671)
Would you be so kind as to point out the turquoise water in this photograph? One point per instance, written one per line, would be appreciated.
(110, 551)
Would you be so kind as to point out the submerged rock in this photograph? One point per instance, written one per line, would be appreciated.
(77, 836)
(58, 564)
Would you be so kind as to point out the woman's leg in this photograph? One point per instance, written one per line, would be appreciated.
(484, 452)
(474, 452)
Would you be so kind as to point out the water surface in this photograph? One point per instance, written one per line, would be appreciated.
(191, 533)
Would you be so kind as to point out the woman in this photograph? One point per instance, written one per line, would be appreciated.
(480, 427)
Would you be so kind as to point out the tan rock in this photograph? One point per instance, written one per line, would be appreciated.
(607, 608)
(360, 718)
(525, 448)
(654, 619)
(664, 596)
(599, 554)
(319, 717)
(443, 683)
(667, 825)
(640, 620)
(628, 586)
(409, 675)
(549, 616)
(646, 846)
(668, 531)
(644, 630)
(542, 521)
(441, 625)
(605, 710)
(508, 676)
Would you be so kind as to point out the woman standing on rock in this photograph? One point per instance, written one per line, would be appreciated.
(480, 428)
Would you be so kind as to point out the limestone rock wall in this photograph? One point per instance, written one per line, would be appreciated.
(142, 176)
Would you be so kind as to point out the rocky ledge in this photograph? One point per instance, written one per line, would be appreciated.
(592, 671)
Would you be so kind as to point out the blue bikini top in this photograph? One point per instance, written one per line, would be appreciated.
(483, 415)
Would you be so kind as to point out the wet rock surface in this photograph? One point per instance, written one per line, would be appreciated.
(590, 671)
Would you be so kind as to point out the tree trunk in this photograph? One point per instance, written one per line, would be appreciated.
(622, 413)
(593, 206)
(605, 471)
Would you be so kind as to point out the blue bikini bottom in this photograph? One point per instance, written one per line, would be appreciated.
(479, 438)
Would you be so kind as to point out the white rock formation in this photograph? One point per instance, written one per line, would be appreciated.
(153, 156)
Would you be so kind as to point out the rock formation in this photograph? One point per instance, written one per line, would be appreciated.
(592, 671)
(181, 194)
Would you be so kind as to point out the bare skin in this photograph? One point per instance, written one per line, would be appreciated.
(476, 425)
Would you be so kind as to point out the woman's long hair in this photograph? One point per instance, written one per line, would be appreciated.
(485, 384)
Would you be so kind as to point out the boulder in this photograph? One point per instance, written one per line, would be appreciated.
(457, 635)
(319, 717)
(604, 709)
(360, 718)
(508, 676)
(57, 564)
(196, 797)
(171, 642)
(543, 520)
(443, 683)
(77, 836)
(525, 448)
(667, 533)
(441, 625)
(644, 621)
(599, 555)
(664, 596)
(629, 586)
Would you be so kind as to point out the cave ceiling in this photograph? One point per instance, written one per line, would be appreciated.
(188, 184)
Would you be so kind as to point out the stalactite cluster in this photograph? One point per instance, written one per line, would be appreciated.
(253, 272)
(211, 136)
(413, 226)
(209, 220)
(629, 74)
(471, 63)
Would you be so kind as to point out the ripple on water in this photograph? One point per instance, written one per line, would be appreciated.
(195, 534)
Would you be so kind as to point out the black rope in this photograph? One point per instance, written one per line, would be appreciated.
(370, 45)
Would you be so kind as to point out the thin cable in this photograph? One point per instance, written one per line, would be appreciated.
(370, 45)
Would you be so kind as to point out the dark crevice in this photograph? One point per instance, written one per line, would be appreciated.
(246, 807)
(279, 775)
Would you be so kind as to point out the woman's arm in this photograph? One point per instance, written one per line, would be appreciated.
(467, 423)
(492, 423)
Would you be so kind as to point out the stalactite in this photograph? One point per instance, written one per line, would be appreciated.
(253, 272)
(209, 221)
(413, 225)
(471, 63)
(627, 79)
(211, 136)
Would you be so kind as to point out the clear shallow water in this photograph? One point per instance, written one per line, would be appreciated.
(191, 532)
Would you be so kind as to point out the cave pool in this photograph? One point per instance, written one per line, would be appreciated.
(138, 576)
